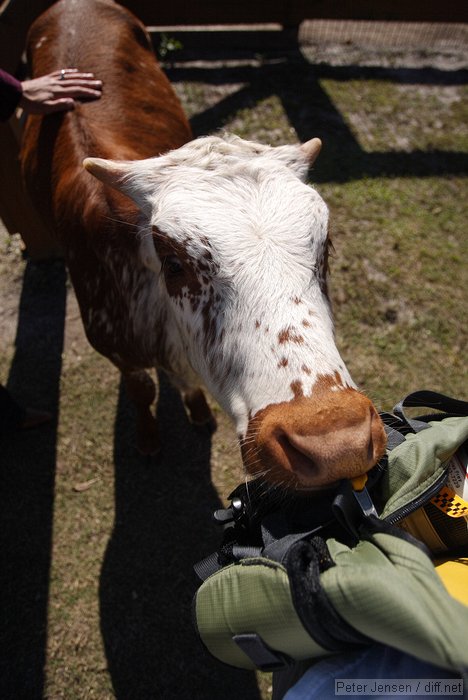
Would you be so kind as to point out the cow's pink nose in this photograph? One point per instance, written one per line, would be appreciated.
(335, 436)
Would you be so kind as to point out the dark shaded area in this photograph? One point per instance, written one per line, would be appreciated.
(311, 112)
(163, 525)
(294, 11)
(27, 475)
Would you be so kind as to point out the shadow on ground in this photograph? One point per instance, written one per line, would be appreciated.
(310, 111)
(27, 477)
(163, 525)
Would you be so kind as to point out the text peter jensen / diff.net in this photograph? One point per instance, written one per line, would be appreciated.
(399, 686)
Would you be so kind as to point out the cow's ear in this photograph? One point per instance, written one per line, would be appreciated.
(297, 158)
(111, 172)
(311, 150)
(124, 176)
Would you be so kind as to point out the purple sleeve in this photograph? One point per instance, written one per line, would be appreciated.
(10, 94)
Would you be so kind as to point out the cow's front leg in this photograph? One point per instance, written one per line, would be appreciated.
(199, 410)
(142, 392)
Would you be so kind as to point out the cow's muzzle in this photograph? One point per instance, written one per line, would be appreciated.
(318, 440)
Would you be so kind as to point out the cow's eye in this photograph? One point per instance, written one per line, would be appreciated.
(172, 265)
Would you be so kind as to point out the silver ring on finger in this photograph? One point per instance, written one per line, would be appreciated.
(62, 74)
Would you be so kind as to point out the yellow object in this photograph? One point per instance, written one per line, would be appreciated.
(450, 503)
(359, 482)
(454, 575)
(452, 499)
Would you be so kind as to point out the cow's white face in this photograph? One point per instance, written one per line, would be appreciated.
(240, 246)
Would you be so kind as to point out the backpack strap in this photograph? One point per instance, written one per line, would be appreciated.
(395, 429)
(447, 406)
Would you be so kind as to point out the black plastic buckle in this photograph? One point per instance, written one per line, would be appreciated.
(225, 516)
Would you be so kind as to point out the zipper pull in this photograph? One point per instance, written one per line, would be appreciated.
(361, 494)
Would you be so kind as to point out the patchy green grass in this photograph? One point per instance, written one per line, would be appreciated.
(99, 542)
(267, 120)
(370, 106)
(399, 283)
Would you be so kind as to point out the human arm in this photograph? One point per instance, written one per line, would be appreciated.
(10, 94)
(54, 92)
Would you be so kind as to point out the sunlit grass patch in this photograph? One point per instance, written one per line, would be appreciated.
(387, 116)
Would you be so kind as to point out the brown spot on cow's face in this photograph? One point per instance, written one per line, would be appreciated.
(177, 267)
(306, 323)
(328, 382)
(339, 380)
(297, 300)
(306, 369)
(289, 335)
(297, 388)
(257, 324)
(205, 263)
(283, 362)
(186, 279)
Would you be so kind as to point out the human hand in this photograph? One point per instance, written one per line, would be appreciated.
(58, 91)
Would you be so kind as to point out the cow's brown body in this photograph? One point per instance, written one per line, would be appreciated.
(138, 116)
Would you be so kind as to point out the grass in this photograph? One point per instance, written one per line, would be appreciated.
(368, 110)
(399, 283)
(98, 542)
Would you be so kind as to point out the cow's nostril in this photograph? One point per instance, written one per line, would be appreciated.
(300, 461)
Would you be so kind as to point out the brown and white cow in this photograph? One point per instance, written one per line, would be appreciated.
(221, 275)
